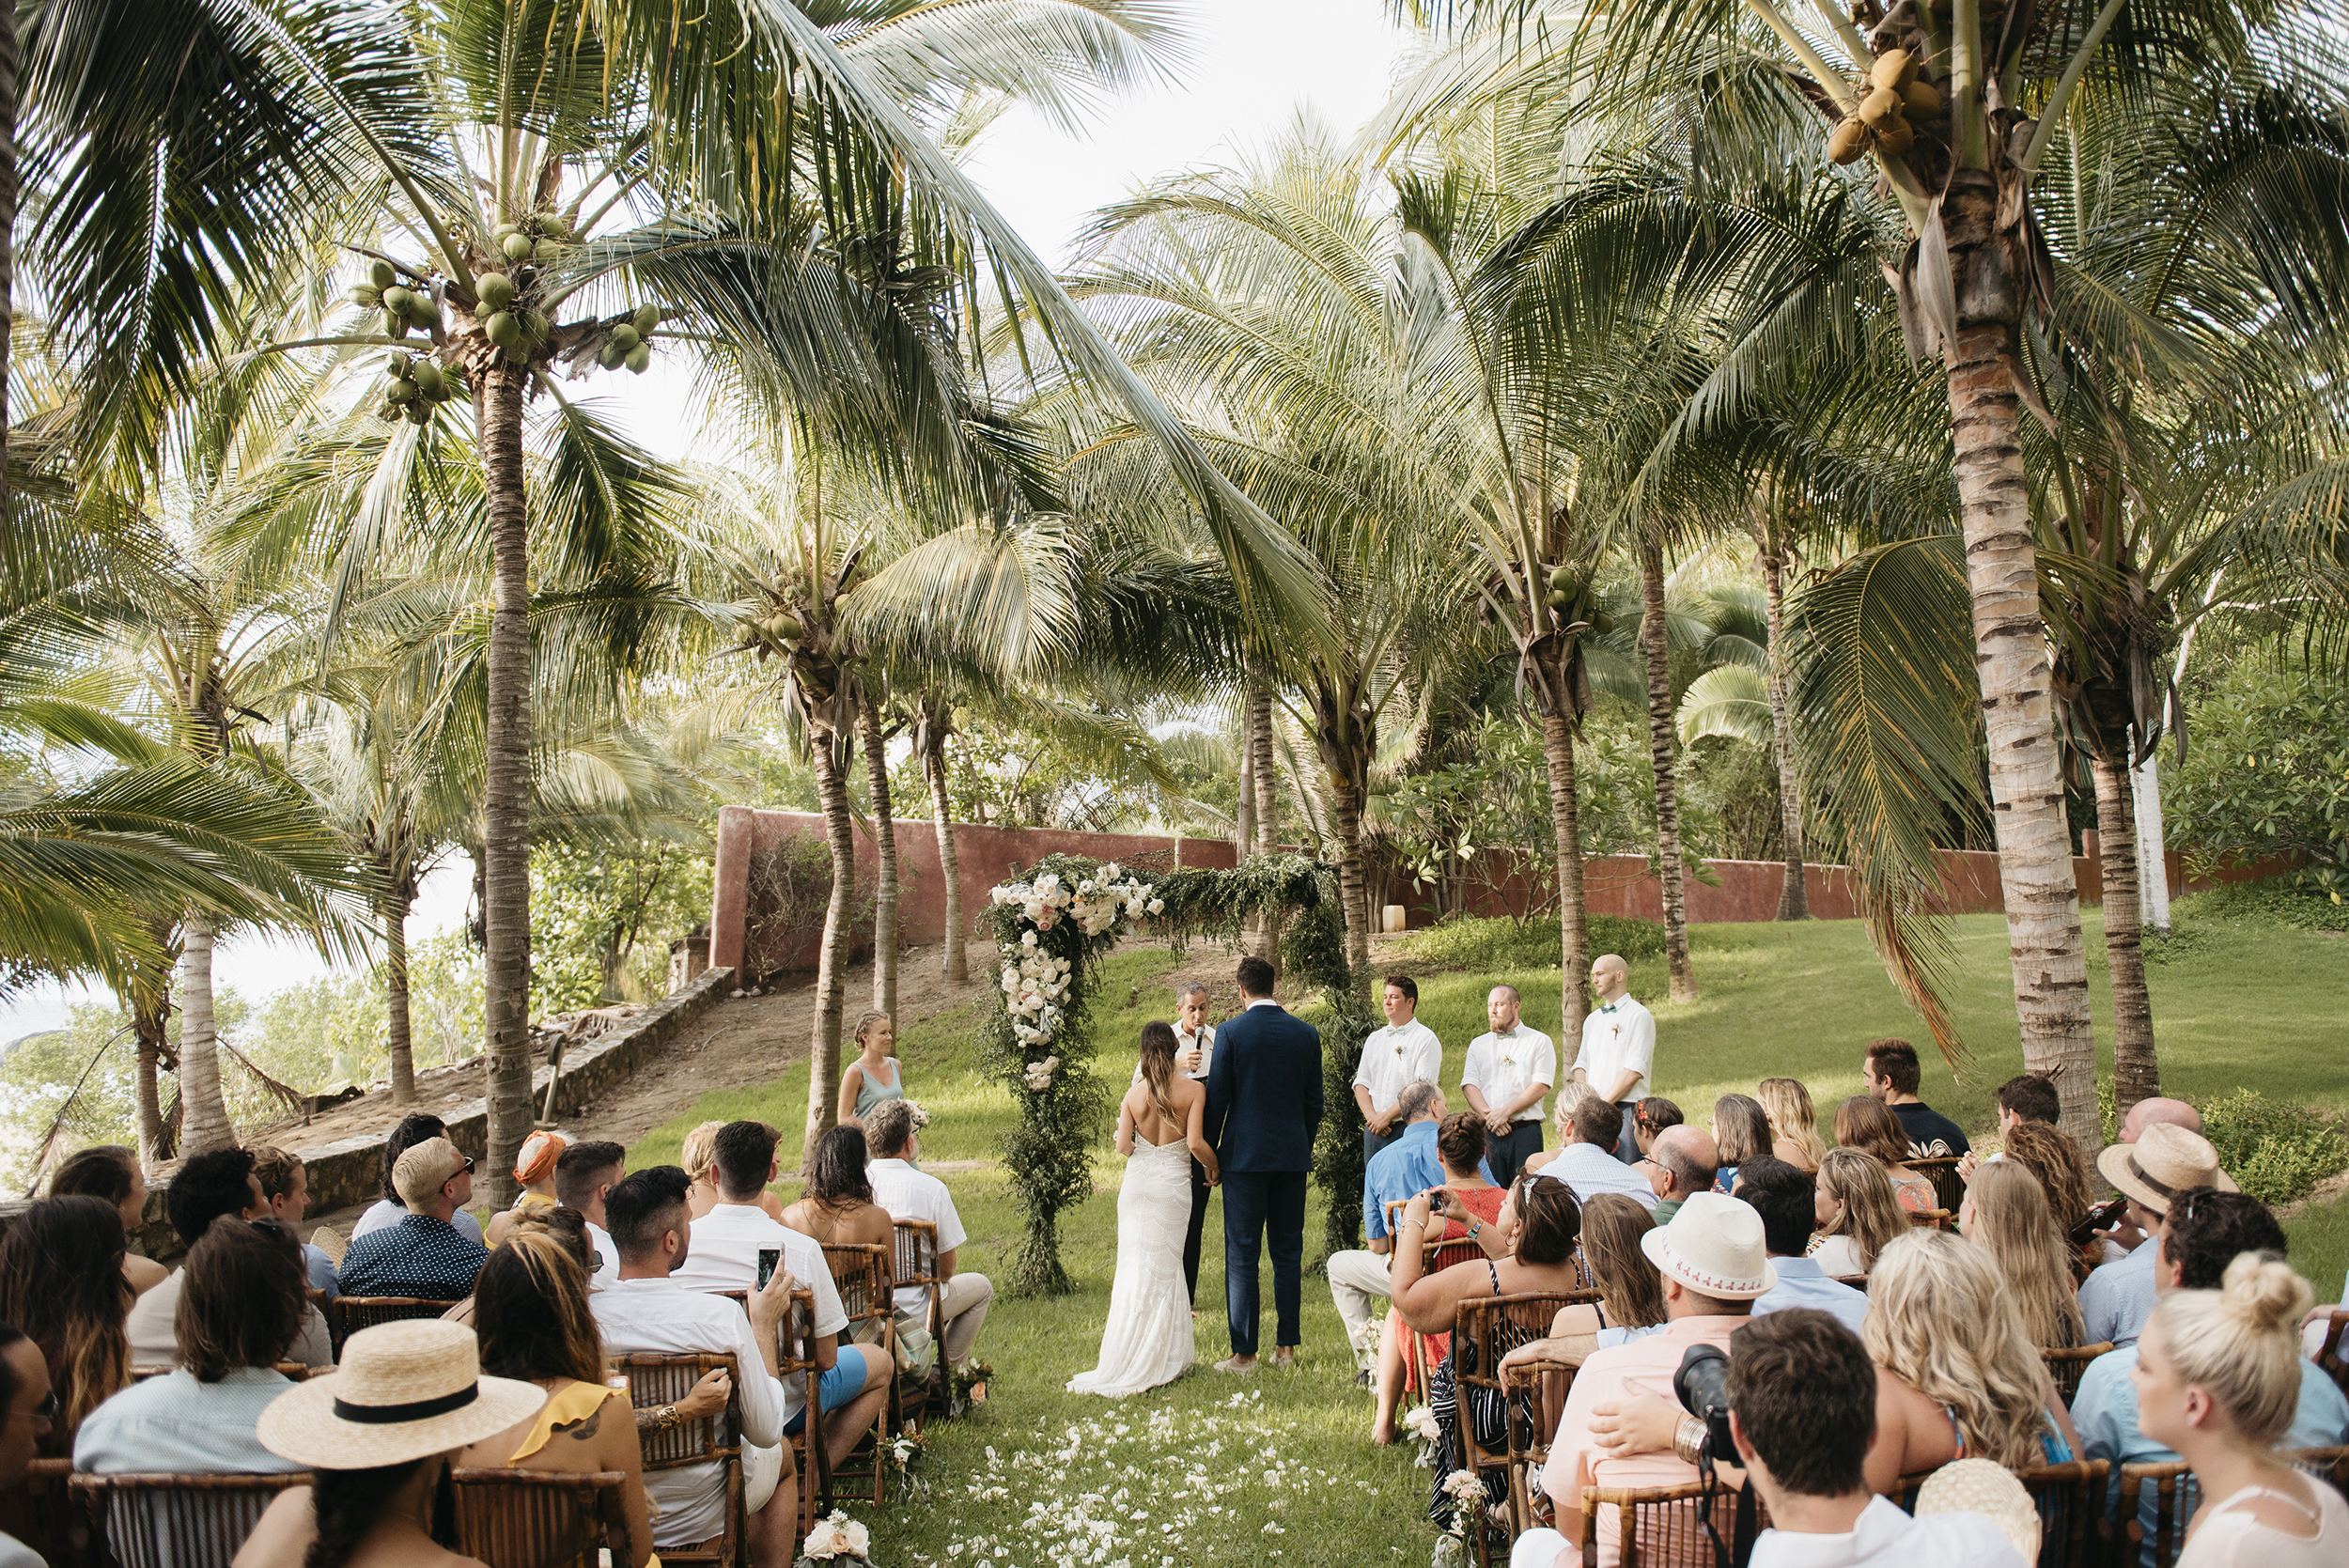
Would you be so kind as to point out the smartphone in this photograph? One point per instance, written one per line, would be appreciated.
(2102, 1217)
(768, 1258)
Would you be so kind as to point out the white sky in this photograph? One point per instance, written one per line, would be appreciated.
(1253, 65)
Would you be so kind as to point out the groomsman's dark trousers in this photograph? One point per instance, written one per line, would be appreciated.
(1504, 1155)
(1199, 1191)
(1260, 1206)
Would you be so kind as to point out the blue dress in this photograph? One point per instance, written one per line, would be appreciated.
(869, 1093)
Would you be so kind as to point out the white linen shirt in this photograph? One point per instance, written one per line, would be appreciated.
(657, 1317)
(608, 1256)
(1617, 1037)
(176, 1423)
(1885, 1537)
(1591, 1171)
(1184, 1040)
(1503, 1067)
(1397, 1057)
(722, 1253)
(910, 1194)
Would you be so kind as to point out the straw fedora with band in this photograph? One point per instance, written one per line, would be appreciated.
(1985, 1487)
(2164, 1161)
(1714, 1246)
(404, 1390)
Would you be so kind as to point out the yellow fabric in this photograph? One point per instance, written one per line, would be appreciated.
(574, 1405)
(525, 1203)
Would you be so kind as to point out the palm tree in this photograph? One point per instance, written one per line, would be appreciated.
(1656, 644)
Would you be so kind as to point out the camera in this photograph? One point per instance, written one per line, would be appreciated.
(1701, 1385)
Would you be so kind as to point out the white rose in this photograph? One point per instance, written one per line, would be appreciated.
(1158, 906)
(853, 1538)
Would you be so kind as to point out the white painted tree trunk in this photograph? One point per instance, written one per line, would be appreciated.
(206, 1124)
(2152, 864)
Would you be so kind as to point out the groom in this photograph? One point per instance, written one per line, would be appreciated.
(1263, 1106)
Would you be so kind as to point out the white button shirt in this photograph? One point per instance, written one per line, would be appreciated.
(1503, 1067)
(722, 1253)
(659, 1317)
(910, 1194)
(1184, 1041)
(1616, 1038)
(608, 1256)
(1397, 1057)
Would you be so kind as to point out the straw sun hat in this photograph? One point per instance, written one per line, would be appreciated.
(1714, 1247)
(404, 1390)
(1985, 1487)
(2164, 1161)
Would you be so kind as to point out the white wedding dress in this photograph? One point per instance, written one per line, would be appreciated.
(1148, 1340)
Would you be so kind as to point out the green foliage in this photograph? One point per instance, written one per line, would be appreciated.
(2274, 1150)
(2271, 774)
(602, 916)
(1479, 944)
(1484, 820)
(2272, 901)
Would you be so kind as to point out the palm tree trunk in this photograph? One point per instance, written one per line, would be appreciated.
(1345, 824)
(154, 1147)
(205, 1118)
(1268, 778)
(1794, 895)
(506, 819)
(2135, 1069)
(1662, 746)
(396, 1028)
(941, 814)
(1244, 816)
(1574, 939)
(832, 959)
(885, 842)
(2042, 912)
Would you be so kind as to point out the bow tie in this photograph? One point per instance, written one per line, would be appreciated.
(1607, 1008)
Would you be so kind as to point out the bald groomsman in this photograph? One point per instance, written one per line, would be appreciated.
(1618, 1046)
(1508, 1075)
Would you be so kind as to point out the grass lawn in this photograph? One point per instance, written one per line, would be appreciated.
(1277, 1467)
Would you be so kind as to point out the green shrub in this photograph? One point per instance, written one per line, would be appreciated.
(2275, 900)
(1471, 943)
(2274, 1150)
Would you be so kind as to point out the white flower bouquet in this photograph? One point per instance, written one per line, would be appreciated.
(1420, 1423)
(837, 1539)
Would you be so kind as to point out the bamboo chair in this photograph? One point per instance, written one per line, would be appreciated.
(2333, 1357)
(2067, 1366)
(915, 1267)
(795, 1356)
(177, 1521)
(1529, 1444)
(1418, 1365)
(347, 1314)
(2329, 1464)
(1481, 1333)
(2158, 1502)
(2071, 1502)
(657, 1380)
(1660, 1526)
(1942, 1169)
(40, 1512)
(540, 1518)
(1856, 1281)
(861, 1269)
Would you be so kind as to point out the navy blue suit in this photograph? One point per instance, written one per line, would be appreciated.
(1264, 1109)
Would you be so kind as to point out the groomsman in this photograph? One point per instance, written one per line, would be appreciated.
(1508, 1075)
(1194, 1049)
(1618, 1046)
(1393, 1058)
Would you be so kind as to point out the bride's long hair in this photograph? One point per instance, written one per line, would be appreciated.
(1158, 1064)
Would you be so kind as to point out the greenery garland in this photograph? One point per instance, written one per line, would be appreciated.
(1053, 923)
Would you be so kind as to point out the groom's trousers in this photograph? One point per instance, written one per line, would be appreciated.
(1199, 1191)
(1260, 1206)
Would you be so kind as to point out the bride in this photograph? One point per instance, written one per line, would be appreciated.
(1149, 1339)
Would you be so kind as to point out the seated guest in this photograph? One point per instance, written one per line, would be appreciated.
(584, 1175)
(837, 1207)
(24, 1423)
(696, 1158)
(392, 1208)
(1858, 1214)
(1587, 1163)
(423, 1255)
(2006, 1212)
(1892, 1072)
(1651, 1117)
(1712, 1263)
(910, 1194)
(1794, 1124)
(2164, 1159)
(285, 1188)
(378, 1436)
(2218, 1379)
(1404, 1164)
(647, 1311)
(112, 1172)
(61, 1284)
(726, 1242)
(1863, 1124)
(2205, 1232)
(534, 1171)
(1682, 1161)
(2054, 1156)
(207, 1186)
(1741, 1131)
(531, 1311)
(241, 1309)
(2029, 1097)
(1785, 1196)
(1631, 1293)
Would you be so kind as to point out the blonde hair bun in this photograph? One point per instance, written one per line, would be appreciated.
(2264, 1292)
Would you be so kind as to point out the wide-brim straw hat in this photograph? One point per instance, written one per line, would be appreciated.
(2164, 1161)
(1985, 1487)
(404, 1390)
(1714, 1247)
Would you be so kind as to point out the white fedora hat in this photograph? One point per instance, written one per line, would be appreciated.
(1714, 1246)
(404, 1390)
(2164, 1161)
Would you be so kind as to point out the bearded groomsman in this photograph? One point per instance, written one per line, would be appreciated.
(1508, 1075)
(1618, 1046)
(1393, 1058)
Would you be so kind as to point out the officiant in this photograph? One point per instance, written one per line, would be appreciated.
(1194, 1049)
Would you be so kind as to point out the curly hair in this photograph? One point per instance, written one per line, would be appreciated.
(1941, 1319)
(61, 1282)
(2054, 1156)
(240, 1301)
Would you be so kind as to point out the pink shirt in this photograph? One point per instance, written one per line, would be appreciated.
(1644, 1366)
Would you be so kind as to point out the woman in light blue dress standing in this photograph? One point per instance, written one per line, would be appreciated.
(876, 1075)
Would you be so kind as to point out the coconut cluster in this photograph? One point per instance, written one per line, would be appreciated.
(414, 386)
(1572, 596)
(1894, 96)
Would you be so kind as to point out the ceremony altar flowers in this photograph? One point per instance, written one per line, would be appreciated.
(838, 1539)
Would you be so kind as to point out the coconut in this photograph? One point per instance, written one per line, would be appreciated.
(399, 364)
(394, 325)
(384, 274)
(401, 390)
(626, 336)
(400, 299)
(518, 354)
(1848, 141)
(1880, 106)
(787, 628)
(640, 358)
(646, 318)
(429, 379)
(610, 356)
(1894, 69)
(1565, 579)
(366, 296)
(534, 326)
(419, 414)
(1896, 138)
(500, 232)
(1559, 598)
(518, 247)
(503, 329)
(1922, 99)
(497, 290)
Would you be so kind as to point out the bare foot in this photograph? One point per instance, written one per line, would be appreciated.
(1237, 1363)
(1382, 1431)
